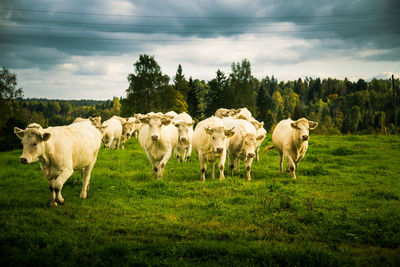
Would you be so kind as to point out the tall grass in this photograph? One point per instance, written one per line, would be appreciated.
(343, 209)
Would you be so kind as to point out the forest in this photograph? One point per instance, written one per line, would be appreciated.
(340, 106)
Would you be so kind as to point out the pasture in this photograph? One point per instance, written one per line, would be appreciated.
(343, 209)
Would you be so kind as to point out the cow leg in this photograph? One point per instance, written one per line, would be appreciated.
(123, 143)
(203, 167)
(291, 165)
(221, 165)
(53, 194)
(164, 161)
(118, 142)
(59, 183)
(280, 156)
(212, 164)
(257, 150)
(109, 143)
(248, 168)
(231, 164)
(238, 165)
(189, 153)
(85, 180)
(177, 153)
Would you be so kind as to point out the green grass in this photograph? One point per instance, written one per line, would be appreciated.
(343, 209)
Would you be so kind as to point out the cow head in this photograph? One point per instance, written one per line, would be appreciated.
(257, 125)
(302, 128)
(183, 130)
(217, 137)
(155, 123)
(96, 121)
(128, 128)
(33, 143)
(249, 145)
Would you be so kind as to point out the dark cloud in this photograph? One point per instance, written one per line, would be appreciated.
(43, 39)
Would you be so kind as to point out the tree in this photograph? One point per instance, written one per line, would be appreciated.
(8, 85)
(180, 83)
(193, 100)
(145, 86)
(215, 97)
(243, 85)
(263, 101)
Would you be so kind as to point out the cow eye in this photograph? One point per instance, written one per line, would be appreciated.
(34, 144)
(213, 138)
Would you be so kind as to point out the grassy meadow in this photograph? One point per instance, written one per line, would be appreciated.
(343, 209)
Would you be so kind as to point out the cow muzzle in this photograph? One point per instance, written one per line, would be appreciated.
(250, 155)
(220, 149)
(23, 160)
(305, 137)
(154, 137)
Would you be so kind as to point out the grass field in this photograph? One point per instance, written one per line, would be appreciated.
(343, 209)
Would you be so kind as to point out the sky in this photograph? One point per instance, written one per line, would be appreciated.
(76, 49)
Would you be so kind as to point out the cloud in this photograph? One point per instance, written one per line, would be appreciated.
(91, 45)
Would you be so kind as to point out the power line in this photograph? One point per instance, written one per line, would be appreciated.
(194, 26)
(49, 37)
(194, 17)
(201, 32)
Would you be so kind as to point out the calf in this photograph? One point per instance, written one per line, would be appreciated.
(242, 145)
(184, 124)
(210, 142)
(61, 150)
(112, 133)
(290, 138)
(158, 137)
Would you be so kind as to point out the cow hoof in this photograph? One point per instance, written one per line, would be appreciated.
(61, 201)
(53, 204)
(83, 195)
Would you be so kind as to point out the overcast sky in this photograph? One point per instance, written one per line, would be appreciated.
(76, 49)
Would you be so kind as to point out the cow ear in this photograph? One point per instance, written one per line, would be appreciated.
(312, 125)
(261, 124)
(144, 120)
(165, 121)
(294, 125)
(260, 137)
(45, 136)
(229, 133)
(256, 124)
(19, 132)
(208, 130)
(175, 123)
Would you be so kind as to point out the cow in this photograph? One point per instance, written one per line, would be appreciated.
(184, 124)
(242, 145)
(172, 113)
(96, 121)
(158, 138)
(128, 127)
(290, 138)
(243, 113)
(261, 133)
(61, 150)
(223, 112)
(210, 140)
(112, 133)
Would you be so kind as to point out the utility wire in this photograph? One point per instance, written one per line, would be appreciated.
(196, 26)
(358, 28)
(195, 17)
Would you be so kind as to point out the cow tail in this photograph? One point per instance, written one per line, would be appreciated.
(268, 148)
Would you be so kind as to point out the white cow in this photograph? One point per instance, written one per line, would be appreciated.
(172, 113)
(243, 113)
(128, 127)
(112, 133)
(96, 121)
(210, 139)
(242, 145)
(260, 136)
(223, 112)
(184, 123)
(158, 138)
(61, 150)
(290, 138)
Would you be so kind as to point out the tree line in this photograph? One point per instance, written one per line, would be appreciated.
(340, 106)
